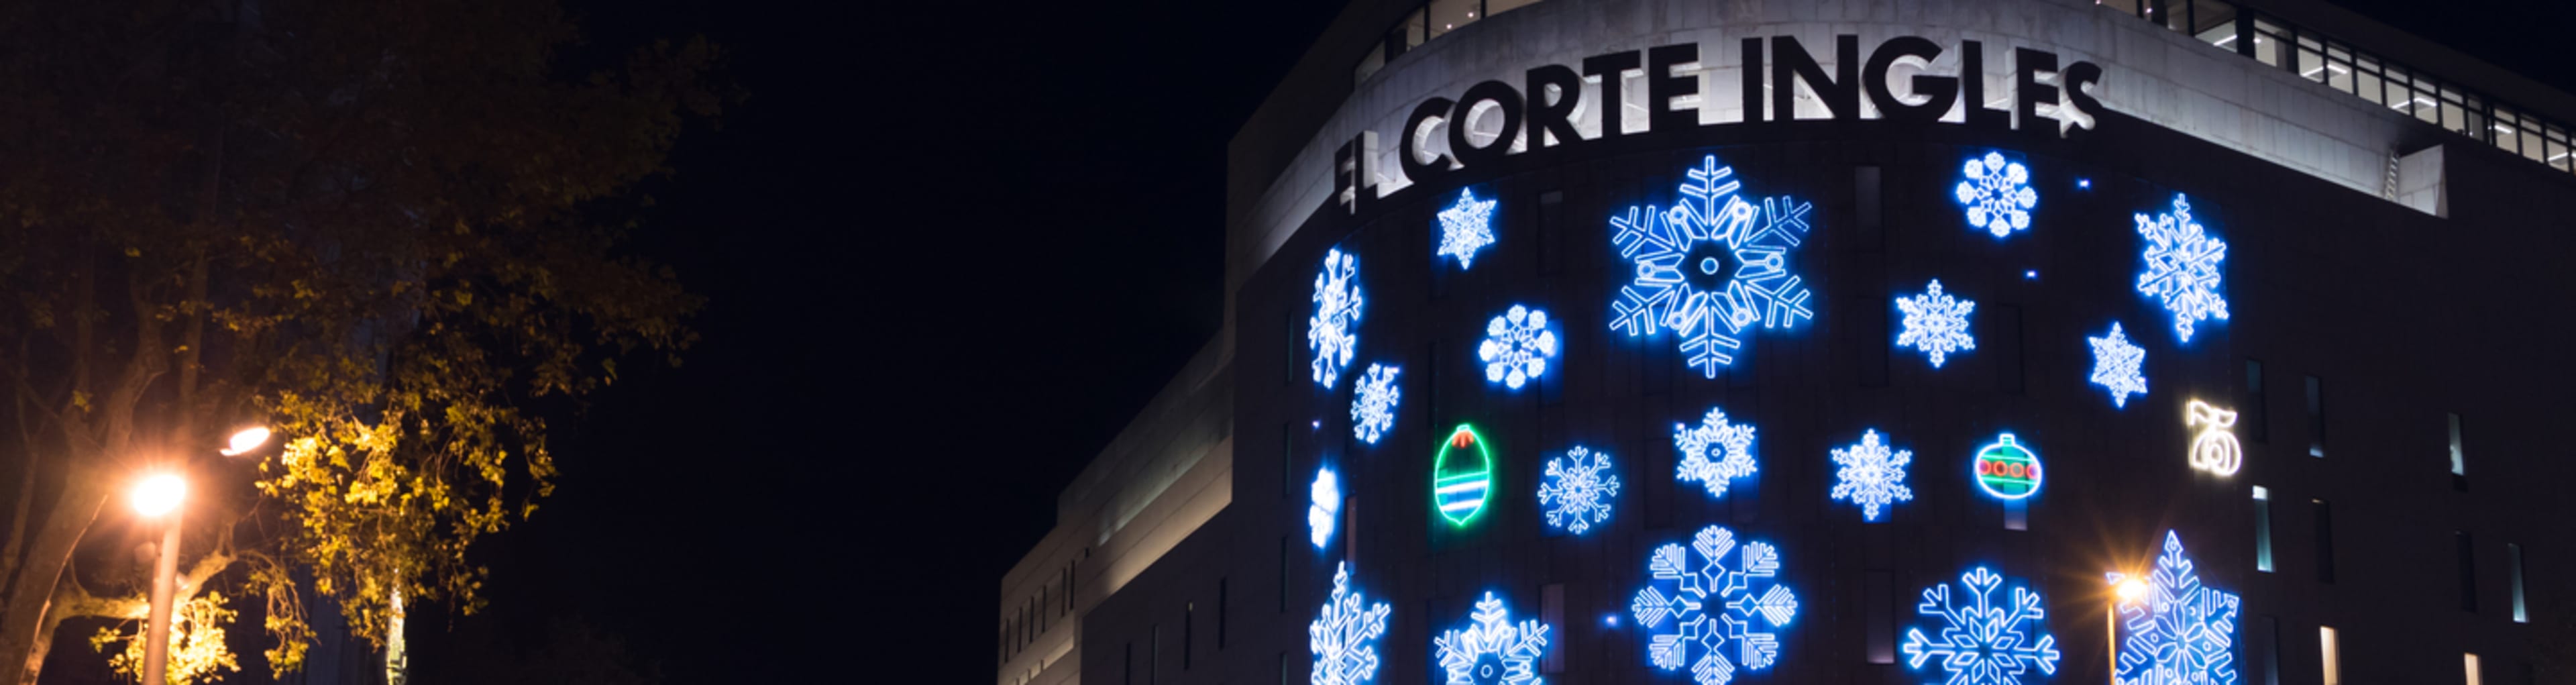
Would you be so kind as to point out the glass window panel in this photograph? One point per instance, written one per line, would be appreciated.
(2453, 118)
(1369, 65)
(2128, 7)
(2556, 154)
(2312, 64)
(2309, 43)
(1448, 15)
(2331, 654)
(1416, 29)
(2424, 107)
(2339, 75)
(2528, 137)
(2212, 15)
(2267, 49)
(2366, 85)
(1501, 6)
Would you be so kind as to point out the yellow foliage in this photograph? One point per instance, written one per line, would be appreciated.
(197, 651)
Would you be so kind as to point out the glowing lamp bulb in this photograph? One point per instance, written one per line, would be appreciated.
(2130, 590)
(159, 494)
(246, 440)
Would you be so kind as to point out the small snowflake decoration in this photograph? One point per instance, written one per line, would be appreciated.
(1344, 636)
(1333, 331)
(1466, 227)
(1492, 650)
(1324, 503)
(1710, 267)
(1373, 400)
(1936, 323)
(1714, 452)
(1712, 603)
(1980, 643)
(1517, 346)
(1577, 493)
(1872, 476)
(2182, 267)
(2115, 366)
(2180, 632)
(1998, 195)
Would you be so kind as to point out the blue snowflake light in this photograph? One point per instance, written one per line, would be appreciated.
(1936, 323)
(1333, 330)
(1578, 491)
(1492, 650)
(1997, 194)
(1872, 475)
(1711, 266)
(1717, 608)
(1466, 227)
(1373, 400)
(1981, 643)
(2115, 366)
(1324, 503)
(2182, 266)
(1715, 452)
(1344, 636)
(1517, 346)
(2178, 631)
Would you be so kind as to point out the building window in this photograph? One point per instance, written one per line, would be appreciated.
(2257, 422)
(1878, 608)
(2513, 573)
(1189, 631)
(2459, 459)
(2331, 654)
(2008, 366)
(2262, 529)
(2316, 417)
(1127, 665)
(1551, 611)
(2325, 540)
(2467, 551)
(2469, 664)
(1283, 574)
(1154, 655)
(1220, 614)
(2271, 644)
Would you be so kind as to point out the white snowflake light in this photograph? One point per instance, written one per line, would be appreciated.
(1714, 452)
(1333, 330)
(1373, 400)
(1936, 323)
(1517, 346)
(2115, 366)
(1710, 603)
(2178, 631)
(1871, 475)
(1325, 503)
(1998, 194)
(1344, 636)
(1710, 266)
(2182, 267)
(1466, 227)
(1981, 643)
(1577, 493)
(1492, 650)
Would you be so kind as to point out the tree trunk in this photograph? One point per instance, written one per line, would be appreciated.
(24, 629)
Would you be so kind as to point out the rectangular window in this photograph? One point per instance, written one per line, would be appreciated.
(1873, 358)
(1283, 668)
(2469, 664)
(1283, 574)
(2008, 358)
(2325, 539)
(2256, 423)
(2459, 459)
(2467, 551)
(2271, 637)
(1551, 236)
(1220, 614)
(1866, 208)
(2262, 529)
(1127, 665)
(1189, 631)
(1551, 611)
(1878, 608)
(1154, 655)
(2513, 575)
(1287, 458)
(2316, 417)
(2331, 654)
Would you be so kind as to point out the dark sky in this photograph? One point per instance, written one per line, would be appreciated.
(950, 249)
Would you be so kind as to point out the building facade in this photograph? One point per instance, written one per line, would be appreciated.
(2008, 341)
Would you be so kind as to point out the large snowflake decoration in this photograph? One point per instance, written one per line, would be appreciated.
(1710, 604)
(1997, 194)
(1333, 331)
(1324, 502)
(1517, 346)
(1373, 401)
(1344, 636)
(2179, 631)
(1936, 323)
(1710, 266)
(2115, 366)
(2182, 266)
(1492, 651)
(1714, 452)
(1872, 475)
(1466, 227)
(1981, 643)
(1577, 492)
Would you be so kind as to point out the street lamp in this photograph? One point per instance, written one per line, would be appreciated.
(159, 496)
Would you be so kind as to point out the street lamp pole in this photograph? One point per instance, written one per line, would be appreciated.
(160, 496)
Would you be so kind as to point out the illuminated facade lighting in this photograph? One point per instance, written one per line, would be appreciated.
(2116, 365)
(2175, 630)
(1936, 323)
(1332, 332)
(2007, 470)
(1710, 267)
(2182, 268)
(1466, 227)
(1492, 650)
(1980, 642)
(2214, 448)
(1462, 476)
(1717, 599)
(1578, 490)
(1997, 194)
(1373, 400)
(1343, 638)
(1714, 453)
(1871, 475)
(1324, 506)
(1517, 346)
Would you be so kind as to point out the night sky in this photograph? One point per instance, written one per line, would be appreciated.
(949, 250)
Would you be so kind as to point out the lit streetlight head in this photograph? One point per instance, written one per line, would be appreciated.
(2130, 590)
(159, 494)
(246, 440)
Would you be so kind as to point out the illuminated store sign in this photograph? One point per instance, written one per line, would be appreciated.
(2008, 470)
(1543, 111)
(2214, 449)
(1462, 476)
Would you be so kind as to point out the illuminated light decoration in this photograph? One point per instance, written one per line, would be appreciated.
(2115, 366)
(1373, 400)
(1997, 194)
(1712, 604)
(1492, 650)
(1711, 266)
(1872, 475)
(1936, 323)
(1517, 346)
(2007, 470)
(1326, 503)
(2177, 630)
(1714, 452)
(1578, 491)
(1466, 227)
(2214, 449)
(1462, 476)
(1344, 636)
(1980, 643)
(1333, 330)
(2182, 267)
